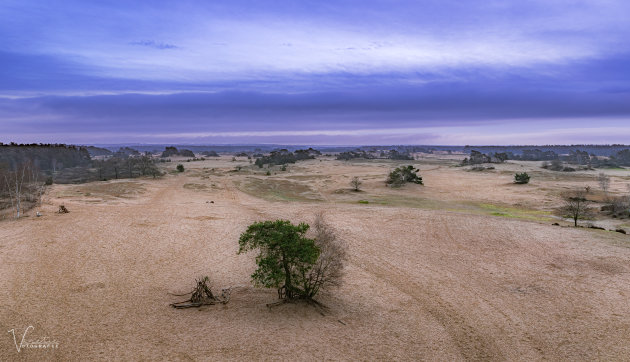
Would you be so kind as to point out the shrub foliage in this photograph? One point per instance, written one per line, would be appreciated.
(285, 255)
(521, 178)
(298, 266)
(402, 175)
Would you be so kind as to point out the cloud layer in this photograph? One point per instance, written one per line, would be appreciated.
(400, 71)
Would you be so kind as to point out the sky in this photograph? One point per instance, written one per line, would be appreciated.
(343, 72)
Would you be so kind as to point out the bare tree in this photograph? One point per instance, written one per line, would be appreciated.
(556, 165)
(576, 206)
(356, 183)
(329, 269)
(22, 185)
(145, 164)
(130, 163)
(604, 182)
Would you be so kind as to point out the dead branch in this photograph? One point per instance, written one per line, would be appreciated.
(202, 295)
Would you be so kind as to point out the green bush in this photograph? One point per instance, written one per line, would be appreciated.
(180, 168)
(285, 255)
(402, 175)
(298, 266)
(521, 178)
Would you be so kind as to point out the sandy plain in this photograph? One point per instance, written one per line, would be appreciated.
(467, 267)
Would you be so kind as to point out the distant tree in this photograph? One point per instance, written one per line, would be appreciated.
(556, 165)
(501, 156)
(356, 183)
(521, 178)
(604, 182)
(402, 175)
(283, 156)
(210, 153)
(180, 168)
(358, 153)
(186, 153)
(147, 166)
(576, 206)
(395, 155)
(617, 206)
(130, 164)
(285, 256)
(170, 151)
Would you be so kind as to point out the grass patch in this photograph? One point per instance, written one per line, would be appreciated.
(402, 201)
(278, 189)
(108, 190)
(198, 187)
(515, 213)
(307, 177)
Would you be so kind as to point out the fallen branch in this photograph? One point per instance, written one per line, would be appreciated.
(202, 295)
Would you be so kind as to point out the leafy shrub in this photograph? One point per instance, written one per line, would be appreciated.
(298, 266)
(180, 168)
(521, 178)
(285, 255)
(402, 175)
(356, 183)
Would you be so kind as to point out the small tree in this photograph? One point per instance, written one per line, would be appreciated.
(285, 256)
(604, 182)
(130, 163)
(402, 175)
(328, 270)
(521, 178)
(576, 206)
(22, 186)
(180, 168)
(556, 165)
(356, 183)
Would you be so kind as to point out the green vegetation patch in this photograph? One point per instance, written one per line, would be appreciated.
(515, 212)
(198, 187)
(278, 189)
(403, 201)
(105, 190)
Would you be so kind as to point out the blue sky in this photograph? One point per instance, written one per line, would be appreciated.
(315, 72)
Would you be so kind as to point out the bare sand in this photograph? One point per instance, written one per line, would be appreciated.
(467, 267)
